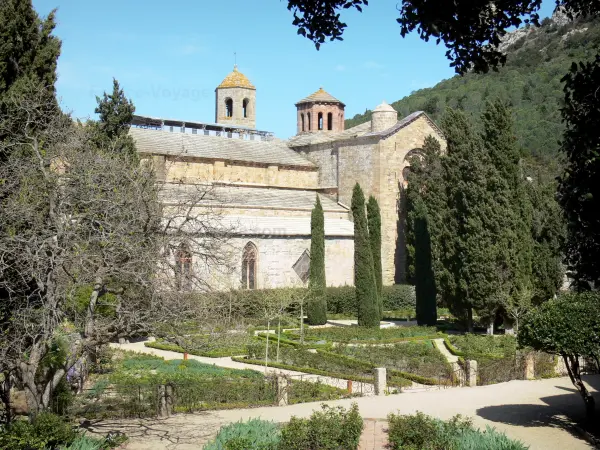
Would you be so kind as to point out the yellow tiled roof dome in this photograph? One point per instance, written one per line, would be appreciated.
(236, 79)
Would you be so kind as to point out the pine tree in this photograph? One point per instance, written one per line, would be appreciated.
(426, 204)
(364, 277)
(374, 225)
(317, 307)
(469, 278)
(116, 114)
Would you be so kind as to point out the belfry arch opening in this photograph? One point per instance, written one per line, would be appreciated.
(228, 107)
(245, 107)
(320, 121)
(329, 121)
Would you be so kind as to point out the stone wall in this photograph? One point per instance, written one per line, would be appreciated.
(237, 95)
(325, 157)
(393, 153)
(277, 256)
(194, 170)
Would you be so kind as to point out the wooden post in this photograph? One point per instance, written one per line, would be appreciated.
(282, 390)
(185, 356)
(349, 386)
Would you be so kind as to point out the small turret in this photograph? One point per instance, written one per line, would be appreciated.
(383, 117)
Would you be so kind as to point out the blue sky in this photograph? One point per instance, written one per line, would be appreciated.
(170, 57)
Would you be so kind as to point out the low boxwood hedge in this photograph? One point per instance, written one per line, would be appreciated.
(221, 353)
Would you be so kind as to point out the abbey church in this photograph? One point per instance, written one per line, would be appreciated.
(266, 187)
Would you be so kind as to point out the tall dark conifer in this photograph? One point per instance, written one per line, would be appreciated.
(317, 306)
(364, 277)
(513, 210)
(470, 278)
(374, 225)
(426, 204)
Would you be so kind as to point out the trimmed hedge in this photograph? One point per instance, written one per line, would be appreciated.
(342, 299)
(292, 343)
(159, 345)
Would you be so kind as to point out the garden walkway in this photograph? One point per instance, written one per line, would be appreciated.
(228, 363)
(536, 412)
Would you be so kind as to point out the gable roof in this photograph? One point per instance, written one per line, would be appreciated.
(362, 130)
(268, 152)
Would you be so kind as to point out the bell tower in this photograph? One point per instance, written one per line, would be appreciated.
(320, 112)
(235, 100)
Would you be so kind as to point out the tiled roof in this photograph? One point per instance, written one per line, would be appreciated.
(321, 137)
(236, 79)
(362, 130)
(161, 142)
(262, 197)
(319, 96)
(284, 226)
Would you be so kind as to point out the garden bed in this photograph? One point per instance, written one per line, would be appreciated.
(365, 335)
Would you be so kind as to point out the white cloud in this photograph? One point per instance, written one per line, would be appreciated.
(340, 67)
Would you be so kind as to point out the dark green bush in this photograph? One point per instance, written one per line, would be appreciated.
(253, 434)
(47, 431)
(342, 300)
(422, 432)
(330, 429)
(364, 334)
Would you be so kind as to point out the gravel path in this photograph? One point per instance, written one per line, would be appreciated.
(539, 413)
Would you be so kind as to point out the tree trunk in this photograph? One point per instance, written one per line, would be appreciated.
(469, 319)
(572, 364)
(89, 322)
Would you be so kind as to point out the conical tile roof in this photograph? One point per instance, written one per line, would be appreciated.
(236, 79)
(320, 96)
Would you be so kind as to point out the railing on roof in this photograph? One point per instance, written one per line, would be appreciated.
(201, 128)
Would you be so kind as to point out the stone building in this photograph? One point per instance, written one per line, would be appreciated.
(265, 188)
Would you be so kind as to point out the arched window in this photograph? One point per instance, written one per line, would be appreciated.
(249, 266)
(183, 267)
(309, 121)
(228, 107)
(330, 121)
(320, 120)
(302, 120)
(245, 105)
(405, 174)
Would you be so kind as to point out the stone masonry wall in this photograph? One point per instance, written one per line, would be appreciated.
(277, 256)
(393, 153)
(237, 95)
(195, 170)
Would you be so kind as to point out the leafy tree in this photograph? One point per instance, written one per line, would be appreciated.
(116, 115)
(374, 225)
(364, 277)
(317, 308)
(579, 188)
(567, 327)
(471, 30)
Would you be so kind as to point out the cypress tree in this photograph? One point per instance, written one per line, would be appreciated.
(364, 277)
(317, 306)
(426, 204)
(28, 59)
(513, 211)
(374, 225)
(470, 278)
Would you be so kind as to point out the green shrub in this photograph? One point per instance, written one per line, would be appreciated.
(422, 432)
(46, 431)
(329, 429)
(85, 442)
(473, 345)
(419, 358)
(253, 434)
(365, 334)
